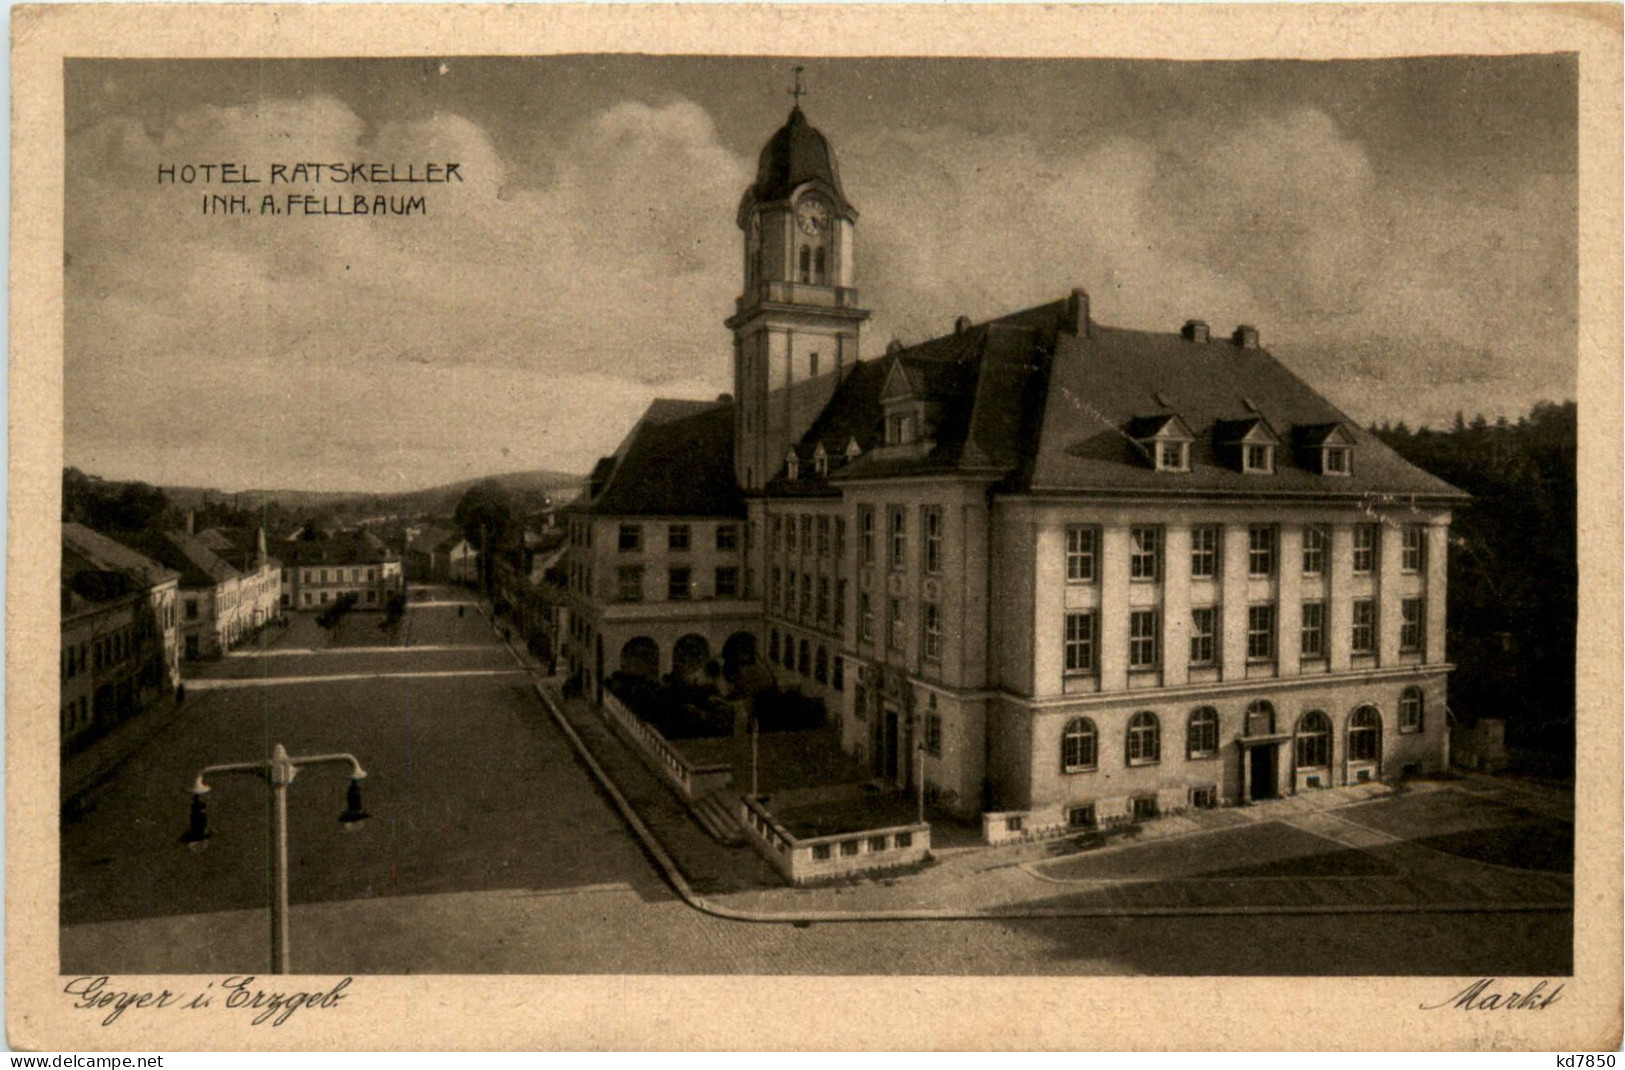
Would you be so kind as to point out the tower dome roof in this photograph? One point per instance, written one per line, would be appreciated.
(796, 154)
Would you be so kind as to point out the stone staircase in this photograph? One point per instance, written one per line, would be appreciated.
(716, 813)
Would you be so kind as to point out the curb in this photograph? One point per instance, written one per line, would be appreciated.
(673, 876)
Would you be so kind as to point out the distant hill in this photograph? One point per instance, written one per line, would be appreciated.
(529, 491)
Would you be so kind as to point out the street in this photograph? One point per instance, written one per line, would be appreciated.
(491, 849)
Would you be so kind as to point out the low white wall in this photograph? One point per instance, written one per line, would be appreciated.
(825, 857)
(692, 782)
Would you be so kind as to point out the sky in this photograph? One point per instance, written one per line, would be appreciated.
(1402, 232)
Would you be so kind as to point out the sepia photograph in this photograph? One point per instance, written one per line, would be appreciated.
(781, 514)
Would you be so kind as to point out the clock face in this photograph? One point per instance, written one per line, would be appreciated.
(812, 215)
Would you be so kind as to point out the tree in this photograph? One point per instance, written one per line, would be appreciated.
(485, 516)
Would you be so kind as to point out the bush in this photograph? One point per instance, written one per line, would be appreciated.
(337, 608)
(675, 710)
(787, 710)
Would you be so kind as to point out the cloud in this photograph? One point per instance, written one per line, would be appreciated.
(540, 317)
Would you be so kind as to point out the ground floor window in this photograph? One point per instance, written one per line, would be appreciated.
(1365, 732)
(1205, 798)
(1081, 817)
(1410, 710)
(1314, 741)
(1144, 739)
(1145, 807)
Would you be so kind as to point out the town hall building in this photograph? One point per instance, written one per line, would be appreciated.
(1074, 573)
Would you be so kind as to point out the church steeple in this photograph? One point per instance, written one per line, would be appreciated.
(796, 322)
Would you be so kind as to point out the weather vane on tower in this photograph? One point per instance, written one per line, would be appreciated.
(796, 93)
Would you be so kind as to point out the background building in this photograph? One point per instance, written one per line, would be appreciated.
(318, 571)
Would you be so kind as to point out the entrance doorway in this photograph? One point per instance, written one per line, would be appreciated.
(1262, 772)
(891, 745)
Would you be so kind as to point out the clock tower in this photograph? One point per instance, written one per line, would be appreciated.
(797, 320)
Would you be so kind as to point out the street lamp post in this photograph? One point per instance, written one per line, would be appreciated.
(278, 772)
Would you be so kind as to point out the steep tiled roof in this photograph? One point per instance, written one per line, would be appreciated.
(349, 547)
(95, 551)
(1053, 410)
(677, 461)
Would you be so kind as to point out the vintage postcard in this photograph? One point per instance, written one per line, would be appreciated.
(814, 527)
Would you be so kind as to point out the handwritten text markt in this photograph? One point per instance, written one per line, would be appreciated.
(318, 197)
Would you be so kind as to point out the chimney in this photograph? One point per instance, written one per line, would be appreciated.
(1195, 331)
(725, 398)
(1076, 319)
(260, 554)
(191, 522)
(893, 347)
(961, 324)
(1246, 337)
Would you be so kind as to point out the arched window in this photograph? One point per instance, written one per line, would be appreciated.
(1202, 735)
(818, 266)
(1365, 734)
(1144, 739)
(806, 264)
(1260, 719)
(1079, 752)
(1314, 745)
(1410, 710)
(821, 665)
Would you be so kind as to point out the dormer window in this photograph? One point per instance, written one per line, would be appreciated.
(899, 428)
(1328, 448)
(1165, 440)
(820, 461)
(1258, 458)
(792, 465)
(1248, 444)
(853, 450)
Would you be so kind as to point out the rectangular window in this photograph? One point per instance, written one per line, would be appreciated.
(1080, 643)
(806, 594)
(1081, 542)
(1142, 639)
(790, 594)
(789, 534)
(897, 535)
(933, 734)
(931, 522)
(1145, 553)
(1410, 625)
(840, 606)
(1312, 636)
(866, 535)
(1314, 550)
(631, 538)
(1411, 553)
(775, 591)
(727, 537)
(840, 538)
(894, 625)
(1204, 628)
(823, 600)
(1337, 461)
(678, 584)
(1205, 552)
(1081, 817)
(823, 536)
(1171, 456)
(727, 582)
(1261, 550)
(1259, 459)
(932, 619)
(1260, 633)
(629, 583)
(866, 617)
(1364, 638)
(1365, 548)
(776, 535)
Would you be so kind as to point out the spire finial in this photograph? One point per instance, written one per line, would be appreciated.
(797, 92)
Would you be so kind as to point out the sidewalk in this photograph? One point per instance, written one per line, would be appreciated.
(1298, 857)
(88, 769)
